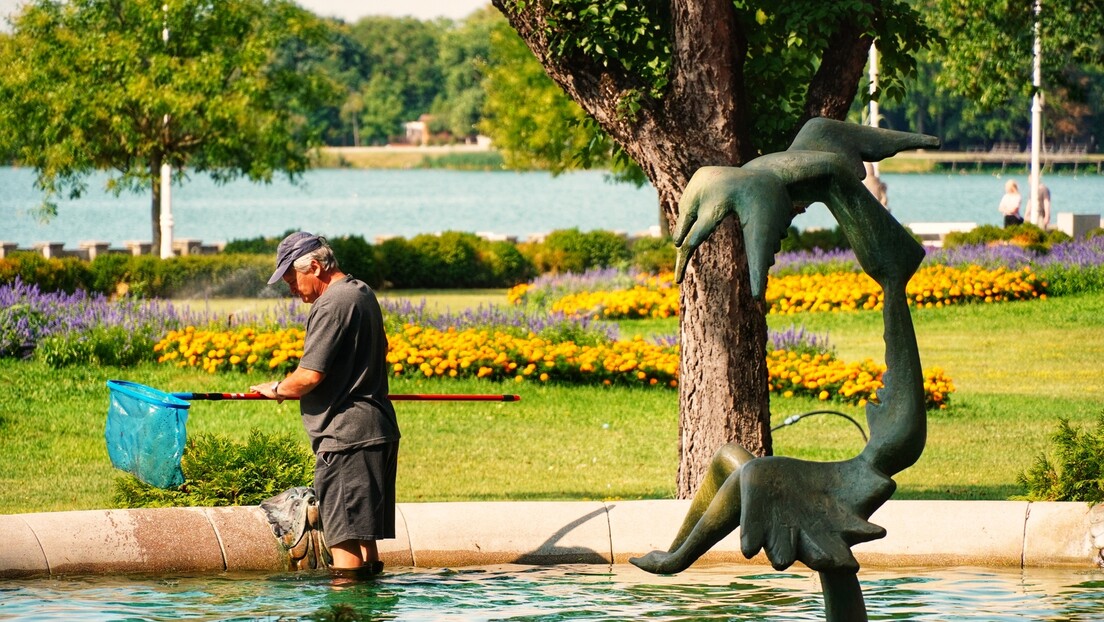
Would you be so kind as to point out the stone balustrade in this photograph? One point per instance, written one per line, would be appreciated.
(88, 250)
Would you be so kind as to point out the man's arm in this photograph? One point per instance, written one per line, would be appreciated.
(297, 384)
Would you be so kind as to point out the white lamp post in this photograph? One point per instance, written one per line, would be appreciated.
(166, 173)
(875, 115)
(1034, 213)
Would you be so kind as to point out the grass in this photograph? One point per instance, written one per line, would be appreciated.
(1018, 367)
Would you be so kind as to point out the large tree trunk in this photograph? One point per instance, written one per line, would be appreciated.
(703, 119)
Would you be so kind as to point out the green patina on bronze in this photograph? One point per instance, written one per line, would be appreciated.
(795, 510)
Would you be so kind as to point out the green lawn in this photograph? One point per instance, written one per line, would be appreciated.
(1017, 368)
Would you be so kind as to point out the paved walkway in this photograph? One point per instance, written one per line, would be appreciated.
(921, 533)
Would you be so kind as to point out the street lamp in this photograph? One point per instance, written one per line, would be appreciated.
(1034, 213)
(166, 169)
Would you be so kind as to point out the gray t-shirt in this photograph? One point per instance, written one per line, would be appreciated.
(346, 342)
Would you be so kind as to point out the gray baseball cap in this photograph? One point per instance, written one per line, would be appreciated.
(291, 248)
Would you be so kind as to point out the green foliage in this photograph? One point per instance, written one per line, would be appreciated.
(358, 258)
(117, 346)
(400, 62)
(196, 276)
(534, 124)
(220, 472)
(633, 35)
(1072, 469)
(1069, 280)
(653, 255)
(809, 239)
(569, 250)
(88, 86)
(452, 260)
(464, 54)
(1027, 235)
(65, 274)
(474, 161)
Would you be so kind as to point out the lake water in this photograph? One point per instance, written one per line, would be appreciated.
(375, 203)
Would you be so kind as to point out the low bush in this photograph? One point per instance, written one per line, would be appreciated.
(1073, 469)
(653, 255)
(570, 250)
(222, 472)
(1025, 235)
(103, 345)
(814, 239)
(65, 274)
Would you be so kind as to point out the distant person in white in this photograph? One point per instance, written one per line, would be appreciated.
(1010, 204)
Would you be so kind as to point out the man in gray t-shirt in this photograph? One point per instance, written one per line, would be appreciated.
(341, 382)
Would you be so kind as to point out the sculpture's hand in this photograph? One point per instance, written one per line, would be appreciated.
(812, 512)
(759, 199)
(690, 230)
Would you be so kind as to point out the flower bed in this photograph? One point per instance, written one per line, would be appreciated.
(498, 355)
(933, 286)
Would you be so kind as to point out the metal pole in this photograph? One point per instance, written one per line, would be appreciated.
(875, 116)
(1034, 214)
(166, 169)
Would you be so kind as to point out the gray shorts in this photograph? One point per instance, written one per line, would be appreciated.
(356, 493)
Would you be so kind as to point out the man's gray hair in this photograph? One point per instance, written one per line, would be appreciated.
(323, 255)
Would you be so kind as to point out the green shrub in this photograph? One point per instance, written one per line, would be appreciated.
(807, 240)
(403, 266)
(452, 260)
(220, 472)
(197, 276)
(103, 345)
(356, 257)
(569, 250)
(65, 274)
(1026, 235)
(1074, 468)
(505, 264)
(653, 255)
(259, 245)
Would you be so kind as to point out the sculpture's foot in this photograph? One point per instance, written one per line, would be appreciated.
(658, 562)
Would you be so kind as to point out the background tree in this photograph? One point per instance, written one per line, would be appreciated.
(464, 53)
(87, 86)
(534, 124)
(687, 83)
(975, 86)
(401, 74)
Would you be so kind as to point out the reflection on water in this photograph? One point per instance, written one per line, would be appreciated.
(522, 593)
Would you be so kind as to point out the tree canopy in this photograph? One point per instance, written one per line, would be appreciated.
(92, 85)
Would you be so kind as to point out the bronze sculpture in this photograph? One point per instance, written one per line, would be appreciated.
(796, 510)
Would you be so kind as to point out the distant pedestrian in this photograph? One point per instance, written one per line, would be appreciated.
(1010, 204)
(1038, 213)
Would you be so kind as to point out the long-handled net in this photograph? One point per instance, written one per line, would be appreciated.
(146, 433)
(146, 428)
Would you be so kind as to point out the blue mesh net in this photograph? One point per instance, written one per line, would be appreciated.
(146, 433)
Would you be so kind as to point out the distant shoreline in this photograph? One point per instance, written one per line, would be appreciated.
(457, 157)
(485, 158)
